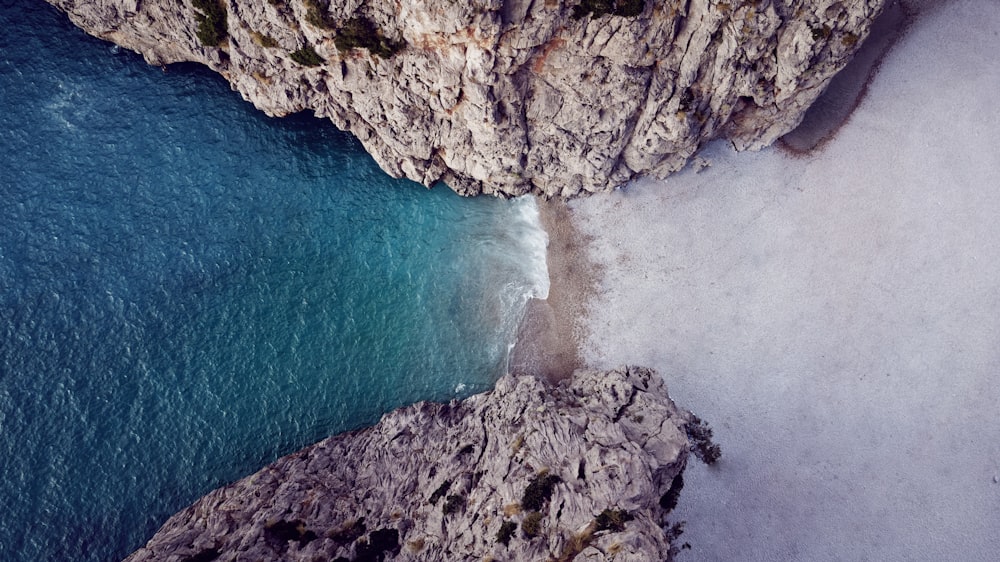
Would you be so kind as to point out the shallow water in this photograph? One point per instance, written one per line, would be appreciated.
(189, 289)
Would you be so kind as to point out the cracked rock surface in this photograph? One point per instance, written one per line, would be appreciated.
(515, 96)
(588, 461)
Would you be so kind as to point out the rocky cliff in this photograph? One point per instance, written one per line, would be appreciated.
(586, 470)
(554, 97)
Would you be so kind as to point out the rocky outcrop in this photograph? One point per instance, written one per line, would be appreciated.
(554, 97)
(585, 470)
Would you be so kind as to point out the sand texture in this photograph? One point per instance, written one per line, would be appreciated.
(835, 316)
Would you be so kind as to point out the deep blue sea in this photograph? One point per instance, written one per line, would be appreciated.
(190, 289)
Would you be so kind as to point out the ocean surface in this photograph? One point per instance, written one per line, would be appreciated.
(190, 289)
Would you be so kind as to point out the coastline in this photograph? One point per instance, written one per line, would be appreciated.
(552, 331)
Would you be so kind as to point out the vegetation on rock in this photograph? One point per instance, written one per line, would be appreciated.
(349, 532)
(673, 535)
(613, 520)
(206, 555)
(263, 40)
(532, 524)
(505, 532)
(453, 504)
(307, 56)
(360, 32)
(318, 15)
(598, 8)
(211, 18)
(702, 446)
(539, 491)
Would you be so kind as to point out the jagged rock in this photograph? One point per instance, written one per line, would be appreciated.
(592, 456)
(553, 97)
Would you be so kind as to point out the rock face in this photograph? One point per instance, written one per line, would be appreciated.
(553, 97)
(590, 468)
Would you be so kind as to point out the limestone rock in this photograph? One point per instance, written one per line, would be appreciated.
(588, 461)
(553, 97)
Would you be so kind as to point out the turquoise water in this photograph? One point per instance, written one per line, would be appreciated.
(189, 289)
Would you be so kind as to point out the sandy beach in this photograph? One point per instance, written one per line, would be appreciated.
(834, 314)
(550, 338)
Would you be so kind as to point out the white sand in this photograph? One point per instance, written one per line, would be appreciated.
(835, 318)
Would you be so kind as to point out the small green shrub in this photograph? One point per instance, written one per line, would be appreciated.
(539, 491)
(505, 532)
(360, 32)
(613, 520)
(318, 14)
(212, 24)
(532, 524)
(307, 56)
(702, 446)
(821, 32)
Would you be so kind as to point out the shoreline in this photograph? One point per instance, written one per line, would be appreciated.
(552, 332)
(550, 336)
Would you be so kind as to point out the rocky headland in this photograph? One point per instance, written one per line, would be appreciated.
(588, 469)
(507, 97)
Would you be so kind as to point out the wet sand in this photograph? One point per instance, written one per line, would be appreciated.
(550, 335)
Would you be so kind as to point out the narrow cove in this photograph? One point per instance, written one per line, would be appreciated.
(191, 289)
